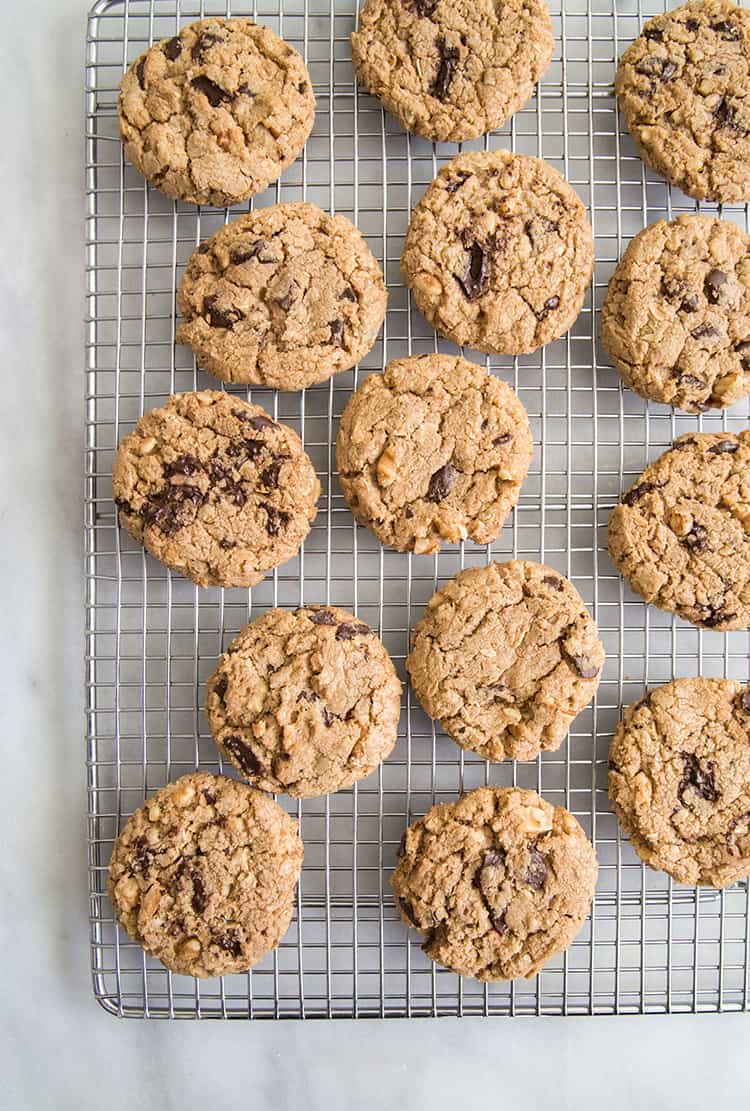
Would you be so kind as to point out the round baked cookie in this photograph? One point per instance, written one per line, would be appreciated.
(215, 114)
(452, 69)
(203, 876)
(499, 253)
(683, 88)
(676, 318)
(679, 779)
(505, 657)
(285, 296)
(681, 534)
(498, 882)
(433, 449)
(305, 702)
(215, 489)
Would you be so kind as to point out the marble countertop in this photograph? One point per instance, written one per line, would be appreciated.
(57, 1048)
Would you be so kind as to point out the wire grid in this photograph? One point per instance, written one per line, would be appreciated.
(153, 638)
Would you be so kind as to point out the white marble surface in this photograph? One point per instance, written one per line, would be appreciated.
(57, 1049)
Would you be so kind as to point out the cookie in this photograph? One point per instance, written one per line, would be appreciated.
(285, 296)
(203, 876)
(215, 114)
(498, 882)
(452, 69)
(679, 780)
(434, 449)
(306, 702)
(505, 657)
(214, 488)
(683, 89)
(676, 318)
(499, 253)
(681, 535)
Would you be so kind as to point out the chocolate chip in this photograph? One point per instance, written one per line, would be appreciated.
(322, 617)
(337, 332)
(408, 513)
(743, 700)
(302, 87)
(203, 248)
(200, 899)
(725, 114)
(715, 279)
(224, 481)
(494, 859)
(243, 755)
(277, 519)
(227, 545)
(455, 182)
(498, 923)
(245, 90)
(692, 24)
(213, 93)
(553, 581)
(143, 854)
(476, 276)
(243, 252)
(441, 482)
(585, 668)
(229, 941)
(423, 8)
(347, 294)
(172, 507)
(549, 306)
(173, 48)
(537, 230)
(220, 317)
(714, 615)
(724, 447)
(653, 65)
(308, 696)
(704, 330)
(124, 506)
(258, 422)
(349, 630)
(653, 33)
(270, 476)
(203, 43)
(328, 717)
(733, 834)
(536, 876)
(448, 57)
(678, 290)
(209, 797)
(183, 464)
(728, 31)
(408, 911)
(696, 539)
(140, 72)
(285, 303)
(700, 779)
(689, 380)
(638, 492)
(504, 439)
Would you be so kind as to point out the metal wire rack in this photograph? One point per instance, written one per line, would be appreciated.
(152, 638)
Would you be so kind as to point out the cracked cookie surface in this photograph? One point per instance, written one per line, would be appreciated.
(215, 114)
(283, 297)
(681, 535)
(499, 253)
(498, 882)
(683, 88)
(676, 318)
(505, 657)
(434, 449)
(452, 69)
(215, 489)
(305, 701)
(203, 876)
(679, 779)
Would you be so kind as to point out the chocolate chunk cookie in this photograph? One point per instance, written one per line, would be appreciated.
(679, 779)
(452, 69)
(215, 114)
(215, 489)
(284, 297)
(681, 536)
(498, 882)
(684, 90)
(676, 318)
(499, 253)
(505, 657)
(433, 449)
(305, 702)
(203, 876)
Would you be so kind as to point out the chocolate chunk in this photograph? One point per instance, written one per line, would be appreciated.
(585, 668)
(654, 34)
(724, 447)
(735, 830)
(349, 631)
(244, 90)
(506, 438)
(696, 539)
(537, 230)
(553, 581)
(690, 380)
(638, 492)
(441, 482)
(727, 30)
(220, 686)
(408, 910)
(124, 506)
(494, 859)
(140, 73)
(227, 545)
(715, 615)
(243, 252)
(408, 513)
(653, 65)
(230, 941)
(725, 114)
(308, 696)
(173, 48)
(423, 8)
(347, 294)
(704, 330)
(548, 307)
(224, 481)
(277, 520)
(536, 876)
(476, 276)
(243, 755)
(220, 317)
(498, 923)
(691, 24)
(302, 87)
(454, 183)
(213, 93)
(143, 855)
(203, 248)
(259, 422)
(200, 899)
(172, 507)
(203, 43)
(209, 797)
(448, 58)
(337, 332)
(270, 476)
(322, 617)
(700, 779)
(328, 717)
(183, 464)
(678, 290)
(744, 700)
(715, 279)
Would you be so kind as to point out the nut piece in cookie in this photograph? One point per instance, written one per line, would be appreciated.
(216, 113)
(434, 450)
(305, 702)
(215, 489)
(681, 533)
(505, 657)
(285, 296)
(498, 882)
(203, 876)
(679, 779)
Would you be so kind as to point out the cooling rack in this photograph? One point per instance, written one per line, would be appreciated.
(153, 638)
